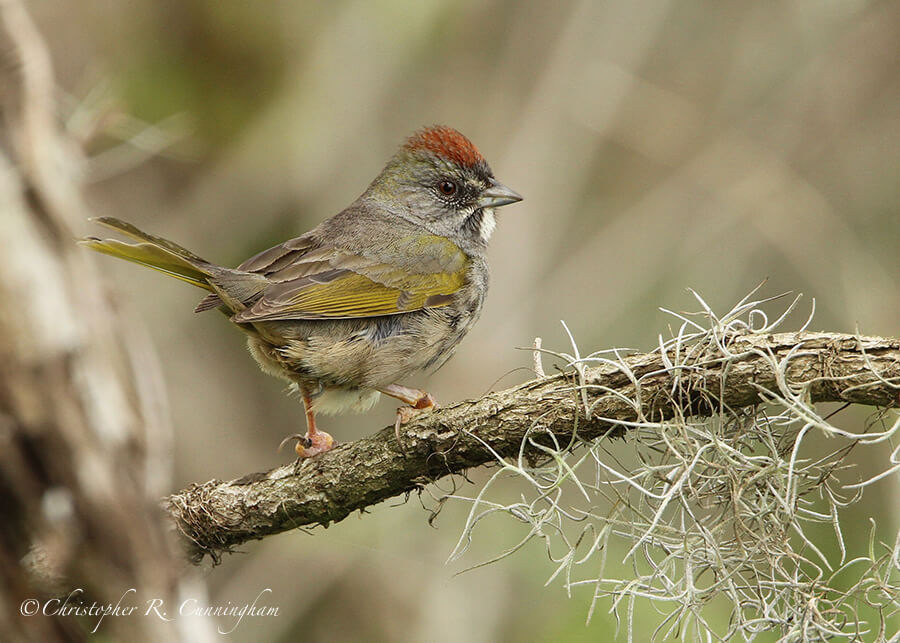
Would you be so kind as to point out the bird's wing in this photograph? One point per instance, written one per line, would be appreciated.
(308, 282)
(270, 262)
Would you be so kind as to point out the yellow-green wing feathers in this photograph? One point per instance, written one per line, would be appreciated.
(355, 295)
(356, 286)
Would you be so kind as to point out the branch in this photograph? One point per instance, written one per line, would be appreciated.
(830, 367)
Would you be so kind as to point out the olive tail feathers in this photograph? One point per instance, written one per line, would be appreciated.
(154, 252)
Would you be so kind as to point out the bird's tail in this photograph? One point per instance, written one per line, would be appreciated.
(154, 252)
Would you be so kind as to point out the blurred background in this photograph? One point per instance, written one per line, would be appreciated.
(659, 146)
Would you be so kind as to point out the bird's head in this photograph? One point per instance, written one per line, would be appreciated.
(440, 181)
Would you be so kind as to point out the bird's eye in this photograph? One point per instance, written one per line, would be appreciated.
(447, 188)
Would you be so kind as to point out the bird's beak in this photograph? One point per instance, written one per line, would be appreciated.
(496, 195)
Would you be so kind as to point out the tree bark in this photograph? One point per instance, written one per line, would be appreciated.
(216, 516)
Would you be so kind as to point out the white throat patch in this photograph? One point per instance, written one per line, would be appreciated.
(488, 223)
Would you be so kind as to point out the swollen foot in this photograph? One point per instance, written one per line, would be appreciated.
(311, 444)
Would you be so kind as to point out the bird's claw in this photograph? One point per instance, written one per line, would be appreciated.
(309, 445)
(408, 413)
(296, 436)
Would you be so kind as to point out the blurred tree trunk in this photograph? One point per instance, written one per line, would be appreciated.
(81, 416)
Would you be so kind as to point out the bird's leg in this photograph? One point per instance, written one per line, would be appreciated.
(417, 400)
(315, 441)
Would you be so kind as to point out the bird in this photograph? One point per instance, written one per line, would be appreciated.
(384, 289)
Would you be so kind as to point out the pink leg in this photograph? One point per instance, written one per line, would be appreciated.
(417, 400)
(315, 441)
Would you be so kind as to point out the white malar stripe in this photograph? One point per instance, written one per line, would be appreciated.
(488, 223)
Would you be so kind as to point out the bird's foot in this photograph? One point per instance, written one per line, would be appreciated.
(315, 442)
(309, 445)
(418, 401)
(406, 413)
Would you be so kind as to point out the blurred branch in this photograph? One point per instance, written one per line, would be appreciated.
(216, 516)
(78, 510)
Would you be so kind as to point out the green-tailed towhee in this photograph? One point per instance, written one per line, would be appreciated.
(385, 288)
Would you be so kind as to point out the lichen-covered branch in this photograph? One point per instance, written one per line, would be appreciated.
(596, 402)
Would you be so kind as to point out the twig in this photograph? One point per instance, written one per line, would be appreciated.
(538, 362)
